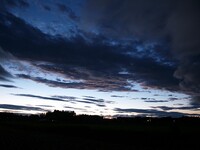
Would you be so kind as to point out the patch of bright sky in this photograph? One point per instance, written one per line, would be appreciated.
(126, 99)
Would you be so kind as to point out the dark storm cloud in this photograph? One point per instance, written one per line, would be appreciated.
(196, 101)
(7, 86)
(92, 84)
(97, 63)
(188, 72)
(66, 9)
(22, 36)
(176, 22)
(152, 112)
(128, 18)
(20, 107)
(54, 83)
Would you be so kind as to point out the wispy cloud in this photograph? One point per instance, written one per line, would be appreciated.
(8, 86)
(94, 101)
(41, 97)
(166, 108)
(20, 107)
(150, 112)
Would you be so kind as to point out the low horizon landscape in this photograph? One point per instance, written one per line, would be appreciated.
(127, 71)
(101, 57)
(66, 130)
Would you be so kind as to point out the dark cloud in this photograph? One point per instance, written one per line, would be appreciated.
(45, 106)
(153, 100)
(94, 100)
(66, 9)
(109, 79)
(63, 7)
(195, 101)
(137, 18)
(74, 108)
(179, 104)
(174, 21)
(150, 112)
(20, 107)
(7, 86)
(70, 98)
(97, 102)
(4, 75)
(46, 7)
(23, 3)
(118, 96)
(41, 97)
(188, 72)
(91, 102)
(88, 100)
(98, 62)
(166, 108)
(11, 3)
(14, 3)
(89, 96)
(101, 105)
(4, 55)
(173, 98)
(156, 101)
(101, 84)
(20, 34)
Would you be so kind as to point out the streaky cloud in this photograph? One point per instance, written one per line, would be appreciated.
(8, 86)
(150, 112)
(20, 107)
(40, 97)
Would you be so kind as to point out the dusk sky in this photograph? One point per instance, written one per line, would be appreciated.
(100, 57)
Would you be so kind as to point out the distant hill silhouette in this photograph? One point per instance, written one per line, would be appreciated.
(66, 130)
(70, 116)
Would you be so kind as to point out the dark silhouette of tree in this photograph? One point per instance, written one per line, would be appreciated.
(57, 115)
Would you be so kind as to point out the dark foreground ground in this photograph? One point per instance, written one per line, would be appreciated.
(99, 135)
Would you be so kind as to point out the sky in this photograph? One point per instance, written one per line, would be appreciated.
(100, 57)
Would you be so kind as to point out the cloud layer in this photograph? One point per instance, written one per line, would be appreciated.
(175, 22)
(111, 45)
